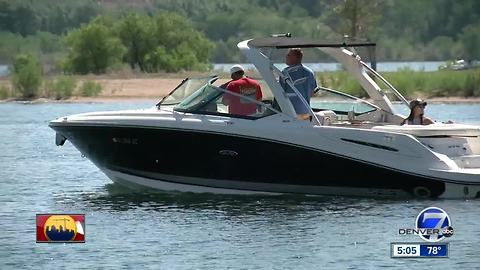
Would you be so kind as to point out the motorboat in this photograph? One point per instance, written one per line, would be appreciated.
(460, 64)
(189, 141)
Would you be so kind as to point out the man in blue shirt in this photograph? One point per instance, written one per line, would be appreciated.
(302, 78)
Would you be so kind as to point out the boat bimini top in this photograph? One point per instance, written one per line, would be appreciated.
(258, 52)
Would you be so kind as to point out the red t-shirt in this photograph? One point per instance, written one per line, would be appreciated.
(247, 87)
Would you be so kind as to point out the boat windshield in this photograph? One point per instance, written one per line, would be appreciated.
(328, 99)
(186, 88)
(199, 98)
(214, 100)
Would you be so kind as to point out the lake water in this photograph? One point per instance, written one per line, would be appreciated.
(130, 230)
(3, 70)
(381, 66)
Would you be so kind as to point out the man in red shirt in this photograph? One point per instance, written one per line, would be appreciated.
(244, 86)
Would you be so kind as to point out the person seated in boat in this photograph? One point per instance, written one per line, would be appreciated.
(417, 111)
(244, 86)
(302, 78)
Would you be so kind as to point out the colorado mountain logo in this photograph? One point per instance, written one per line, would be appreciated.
(60, 228)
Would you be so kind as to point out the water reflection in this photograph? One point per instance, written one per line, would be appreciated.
(114, 197)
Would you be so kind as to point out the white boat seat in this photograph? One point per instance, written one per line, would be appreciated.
(467, 161)
(432, 130)
(326, 117)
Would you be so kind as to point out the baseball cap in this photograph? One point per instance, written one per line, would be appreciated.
(417, 102)
(236, 68)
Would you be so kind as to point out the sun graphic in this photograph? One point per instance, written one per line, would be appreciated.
(60, 228)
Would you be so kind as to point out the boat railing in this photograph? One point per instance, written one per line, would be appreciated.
(388, 84)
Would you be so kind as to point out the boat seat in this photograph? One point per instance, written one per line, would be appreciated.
(433, 130)
(467, 161)
(326, 117)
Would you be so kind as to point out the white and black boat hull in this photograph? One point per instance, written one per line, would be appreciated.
(204, 161)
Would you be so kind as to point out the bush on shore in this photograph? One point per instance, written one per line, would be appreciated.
(27, 75)
(62, 87)
(4, 92)
(410, 83)
(90, 88)
(341, 80)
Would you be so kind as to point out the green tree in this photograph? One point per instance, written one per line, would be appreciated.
(190, 49)
(86, 12)
(165, 41)
(470, 38)
(358, 17)
(137, 35)
(159, 59)
(427, 29)
(25, 22)
(92, 49)
(26, 17)
(27, 75)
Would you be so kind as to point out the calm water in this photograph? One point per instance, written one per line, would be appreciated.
(130, 230)
(4, 70)
(381, 66)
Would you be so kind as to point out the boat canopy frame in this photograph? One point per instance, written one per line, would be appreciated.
(343, 52)
(289, 42)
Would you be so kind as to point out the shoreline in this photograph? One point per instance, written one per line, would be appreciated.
(152, 87)
(453, 100)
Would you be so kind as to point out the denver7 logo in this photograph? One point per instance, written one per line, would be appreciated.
(433, 218)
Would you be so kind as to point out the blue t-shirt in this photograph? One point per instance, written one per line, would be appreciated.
(303, 79)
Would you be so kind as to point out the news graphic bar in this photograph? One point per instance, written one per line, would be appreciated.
(432, 250)
(419, 250)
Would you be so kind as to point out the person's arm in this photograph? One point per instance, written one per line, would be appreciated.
(224, 86)
(282, 82)
(227, 96)
(259, 95)
(427, 121)
(312, 84)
